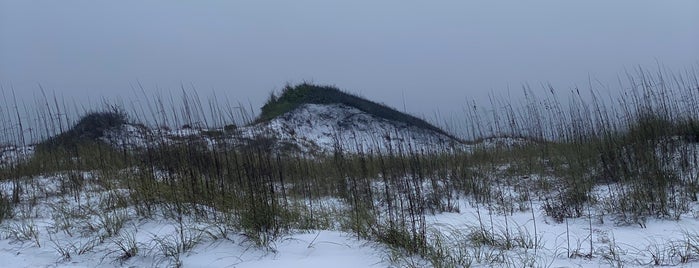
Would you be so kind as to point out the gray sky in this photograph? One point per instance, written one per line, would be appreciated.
(430, 55)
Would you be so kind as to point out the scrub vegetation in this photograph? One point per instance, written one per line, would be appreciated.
(549, 155)
(292, 97)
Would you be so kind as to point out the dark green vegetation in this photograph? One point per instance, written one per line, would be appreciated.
(641, 150)
(295, 96)
(89, 129)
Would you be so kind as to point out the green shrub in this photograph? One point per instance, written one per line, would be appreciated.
(89, 129)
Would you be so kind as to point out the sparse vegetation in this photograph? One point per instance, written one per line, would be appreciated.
(5, 208)
(641, 151)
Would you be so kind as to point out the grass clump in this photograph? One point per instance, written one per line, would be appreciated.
(5, 208)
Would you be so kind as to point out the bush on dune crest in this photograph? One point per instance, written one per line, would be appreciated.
(294, 96)
(89, 129)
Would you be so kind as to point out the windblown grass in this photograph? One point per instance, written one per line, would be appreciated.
(640, 148)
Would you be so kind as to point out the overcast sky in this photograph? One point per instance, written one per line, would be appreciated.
(430, 55)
